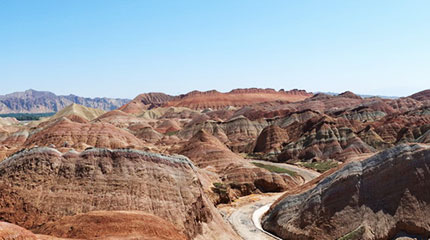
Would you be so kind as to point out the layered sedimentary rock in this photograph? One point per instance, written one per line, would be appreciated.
(376, 198)
(404, 127)
(112, 225)
(42, 185)
(170, 113)
(271, 140)
(327, 138)
(168, 126)
(145, 101)
(78, 111)
(340, 127)
(238, 133)
(237, 98)
(208, 152)
(66, 133)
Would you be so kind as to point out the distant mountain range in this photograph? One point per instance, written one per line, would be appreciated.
(32, 101)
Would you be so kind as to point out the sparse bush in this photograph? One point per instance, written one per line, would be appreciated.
(321, 166)
(275, 169)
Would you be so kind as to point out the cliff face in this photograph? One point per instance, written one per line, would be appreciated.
(373, 199)
(42, 185)
(32, 101)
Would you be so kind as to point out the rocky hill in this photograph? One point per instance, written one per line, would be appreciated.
(32, 101)
(377, 198)
(94, 172)
(41, 185)
(236, 98)
(79, 135)
(78, 111)
(421, 96)
(239, 176)
(146, 101)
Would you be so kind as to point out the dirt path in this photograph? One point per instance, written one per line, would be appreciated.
(240, 216)
(245, 214)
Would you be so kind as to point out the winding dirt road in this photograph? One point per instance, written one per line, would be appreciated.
(245, 219)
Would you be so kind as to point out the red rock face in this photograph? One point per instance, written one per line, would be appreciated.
(207, 152)
(236, 98)
(349, 94)
(372, 199)
(271, 140)
(113, 225)
(406, 127)
(344, 126)
(421, 96)
(168, 126)
(42, 185)
(145, 101)
(325, 138)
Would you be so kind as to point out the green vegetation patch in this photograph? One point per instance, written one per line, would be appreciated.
(354, 235)
(27, 116)
(275, 169)
(321, 166)
(219, 187)
(172, 133)
(261, 156)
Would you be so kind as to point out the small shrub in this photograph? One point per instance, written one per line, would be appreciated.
(172, 133)
(321, 166)
(275, 169)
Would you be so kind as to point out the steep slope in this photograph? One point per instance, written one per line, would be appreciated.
(42, 185)
(144, 102)
(271, 140)
(325, 138)
(376, 198)
(238, 133)
(32, 101)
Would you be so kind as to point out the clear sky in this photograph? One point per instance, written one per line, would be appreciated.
(122, 48)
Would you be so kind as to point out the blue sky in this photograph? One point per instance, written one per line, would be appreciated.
(123, 48)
